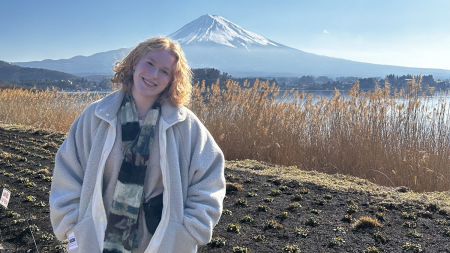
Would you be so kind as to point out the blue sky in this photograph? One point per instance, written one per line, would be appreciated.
(414, 33)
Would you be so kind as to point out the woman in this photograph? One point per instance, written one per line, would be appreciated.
(138, 172)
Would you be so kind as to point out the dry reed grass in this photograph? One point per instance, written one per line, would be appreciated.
(49, 109)
(404, 135)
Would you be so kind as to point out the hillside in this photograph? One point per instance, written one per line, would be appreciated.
(10, 72)
(277, 209)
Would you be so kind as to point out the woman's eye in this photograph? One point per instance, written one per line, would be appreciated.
(149, 63)
(165, 72)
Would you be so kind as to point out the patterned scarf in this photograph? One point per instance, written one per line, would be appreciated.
(122, 227)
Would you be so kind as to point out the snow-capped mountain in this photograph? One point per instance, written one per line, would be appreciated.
(218, 30)
(212, 41)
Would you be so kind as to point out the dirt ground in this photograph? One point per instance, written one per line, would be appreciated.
(263, 212)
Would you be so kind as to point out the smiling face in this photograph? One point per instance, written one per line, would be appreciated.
(152, 74)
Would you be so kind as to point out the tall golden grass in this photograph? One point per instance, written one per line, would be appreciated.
(404, 135)
(47, 109)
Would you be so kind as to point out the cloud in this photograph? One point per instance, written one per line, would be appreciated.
(325, 31)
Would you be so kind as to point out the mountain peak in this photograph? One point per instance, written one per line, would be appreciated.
(214, 29)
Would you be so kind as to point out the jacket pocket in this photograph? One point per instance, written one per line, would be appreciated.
(177, 239)
(153, 210)
(82, 237)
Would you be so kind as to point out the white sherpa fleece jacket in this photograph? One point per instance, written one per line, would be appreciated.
(192, 169)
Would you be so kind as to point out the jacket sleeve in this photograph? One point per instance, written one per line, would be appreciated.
(70, 161)
(204, 203)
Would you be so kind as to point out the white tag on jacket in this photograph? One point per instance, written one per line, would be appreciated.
(72, 242)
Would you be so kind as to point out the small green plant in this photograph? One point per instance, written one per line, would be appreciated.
(381, 209)
(412, 247)
(312, 221)
(321, 202)
(18, 221)
(274, 193)
(29, 172)
(441, 221)
(241, 202)
(297, 197)
(30, 198)
(47, 237)
(60, 247)
(271, 224)
(30, 184)
(337, 241)
(447, 232)
(266, 185)
(33, 228)
(371, 249)
(409, 224)
(379, 237)
(259, 238)
(40, 204)
(239, 249)
(23, 180)
(291, 248)
(233, 228)
(48, 178)
(352, 209)
(380, 216)
(227, 212)
(340, 229)
(304, 191)
(268, 200)
(327, 196)
(283, 188)
(217, 242)
(247, 218)
(283, 215)
(301, 232)
(262, 208)
(414, 233)
(350, 201)
(315, 211)
(12, 214)
(251, 194)
(293, 206)
(347, 218)
(409, 216)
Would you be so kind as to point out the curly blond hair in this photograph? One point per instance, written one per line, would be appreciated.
(179, 90)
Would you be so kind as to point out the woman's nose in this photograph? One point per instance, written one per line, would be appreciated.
(152, 72)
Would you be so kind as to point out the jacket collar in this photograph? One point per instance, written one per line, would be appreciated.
(108, 107)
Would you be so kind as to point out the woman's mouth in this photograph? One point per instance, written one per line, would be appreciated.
(147, 82)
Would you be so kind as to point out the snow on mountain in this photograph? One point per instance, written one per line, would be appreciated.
(212, 41)
(216, 29)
